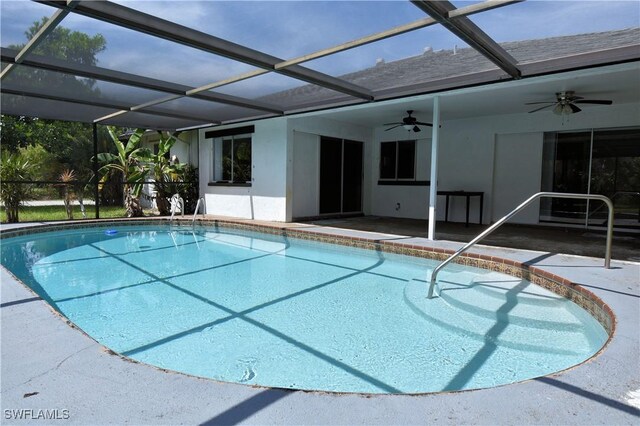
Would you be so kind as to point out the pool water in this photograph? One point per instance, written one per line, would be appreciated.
(274, 311)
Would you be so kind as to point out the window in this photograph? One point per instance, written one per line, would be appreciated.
(398, 160)
(232, 159)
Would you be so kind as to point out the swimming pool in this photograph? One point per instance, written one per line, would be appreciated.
(276, 311)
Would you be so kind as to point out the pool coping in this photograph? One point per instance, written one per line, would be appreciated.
(486, 257)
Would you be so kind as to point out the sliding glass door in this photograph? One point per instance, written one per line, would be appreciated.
(340, 176)
(615, 172)
(605, 162)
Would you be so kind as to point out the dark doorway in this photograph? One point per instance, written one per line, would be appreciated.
(340, 176)
(352, 177)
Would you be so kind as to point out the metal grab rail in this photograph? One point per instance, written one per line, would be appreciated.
(613, 198)
(193, 220)
(176, 201)
(607, 201)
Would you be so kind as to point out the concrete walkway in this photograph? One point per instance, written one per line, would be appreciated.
(559, 239)
(47, 365)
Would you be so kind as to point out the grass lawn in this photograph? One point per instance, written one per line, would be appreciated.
(46, 213)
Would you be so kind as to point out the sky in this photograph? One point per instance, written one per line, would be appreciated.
(288, 29)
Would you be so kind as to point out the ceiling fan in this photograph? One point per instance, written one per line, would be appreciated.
(565, 103)
(409, 123)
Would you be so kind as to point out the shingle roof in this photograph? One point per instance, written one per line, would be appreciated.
(435, 65)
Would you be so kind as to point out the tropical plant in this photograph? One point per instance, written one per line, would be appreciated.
(14, 167)
(45, 167)
(165, 172)
(67, 177)
(189, 188)
(129, 162)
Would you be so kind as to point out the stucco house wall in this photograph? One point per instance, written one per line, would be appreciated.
(498, 155)
(266, 198)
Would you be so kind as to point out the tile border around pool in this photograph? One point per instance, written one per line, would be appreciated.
(554, 283)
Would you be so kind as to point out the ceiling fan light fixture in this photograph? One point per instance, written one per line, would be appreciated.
(558, 109)
(565, 103)
(408, 123)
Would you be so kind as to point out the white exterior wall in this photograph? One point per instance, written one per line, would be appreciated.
(265, 199)
(305, 153)
(413, 200)
(186, 149)
(498, 155)
(466, 162)
(517, 155)
(306, 175)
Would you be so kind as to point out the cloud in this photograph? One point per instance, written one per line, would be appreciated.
(192, 14)
(540, 19)
(17, 16)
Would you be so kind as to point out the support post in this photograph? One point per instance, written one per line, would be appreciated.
(96, 192)
(433, 188)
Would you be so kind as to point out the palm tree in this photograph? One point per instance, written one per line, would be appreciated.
(129, 162)
(67, 177)
(14, 167)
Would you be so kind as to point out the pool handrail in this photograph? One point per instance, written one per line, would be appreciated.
(606, 200)
(176, 200)
(204, 210)
(613, 199)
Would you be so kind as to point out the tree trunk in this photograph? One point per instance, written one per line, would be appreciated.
(67, 202)
(80, 197)
(12, 213)
(132, 203)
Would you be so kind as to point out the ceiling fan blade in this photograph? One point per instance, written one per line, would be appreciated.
(594, 101)
(416, 129)
(391, 128)
(392, 124)
(541, 108)
(574, 108)
(537, 103)
(424, 124)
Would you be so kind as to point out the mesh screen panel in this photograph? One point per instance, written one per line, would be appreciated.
(211, 110)
(147, 121)
(529, 31)
(282, 90)
(285, 29)
(17, 17)
(67, 85)
(518, 26)
(139, 53)
(43, 108)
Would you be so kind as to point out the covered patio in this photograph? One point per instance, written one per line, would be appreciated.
(551, 239)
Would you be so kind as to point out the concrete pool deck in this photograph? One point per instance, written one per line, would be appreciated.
(48, 365)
